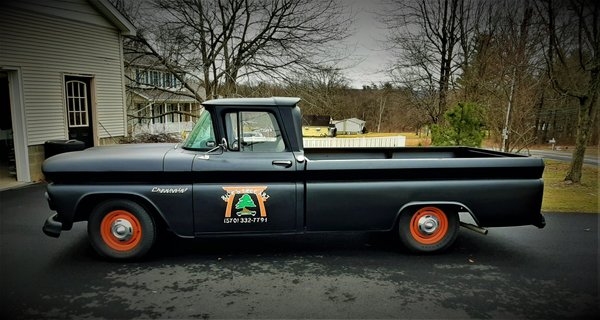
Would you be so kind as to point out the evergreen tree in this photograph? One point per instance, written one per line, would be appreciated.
(465, 127)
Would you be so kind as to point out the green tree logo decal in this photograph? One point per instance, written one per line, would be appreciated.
(244, 203)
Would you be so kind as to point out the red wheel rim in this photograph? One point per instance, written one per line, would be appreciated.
(118, 223)
(429, 216)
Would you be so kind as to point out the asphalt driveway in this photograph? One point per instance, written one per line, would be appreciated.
(519, 272)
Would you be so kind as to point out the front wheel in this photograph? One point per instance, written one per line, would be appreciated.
(121, 229)
(428, 229)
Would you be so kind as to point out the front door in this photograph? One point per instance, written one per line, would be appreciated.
(251, 187)
(8, 172)
(79, 111)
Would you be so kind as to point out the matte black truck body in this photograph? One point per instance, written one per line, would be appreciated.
(265, 182)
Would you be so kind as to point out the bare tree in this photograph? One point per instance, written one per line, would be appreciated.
(220, 42)
(474, 19)
(573, 64)
(320, 90)
(516, 58)
(433, 39)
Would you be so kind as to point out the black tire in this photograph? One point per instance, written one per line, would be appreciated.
(417, 240)
(134, 224)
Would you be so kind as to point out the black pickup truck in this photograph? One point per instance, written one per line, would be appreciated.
(243, 170)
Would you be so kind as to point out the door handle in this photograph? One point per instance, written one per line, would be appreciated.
(282, 163)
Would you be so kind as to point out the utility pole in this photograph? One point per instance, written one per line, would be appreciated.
(506, 129)
(381, 108)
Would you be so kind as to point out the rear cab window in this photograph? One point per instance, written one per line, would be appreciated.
(253, 131)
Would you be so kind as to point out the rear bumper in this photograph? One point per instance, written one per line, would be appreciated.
(52, 227)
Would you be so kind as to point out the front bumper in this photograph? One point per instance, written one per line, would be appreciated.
(52, 227)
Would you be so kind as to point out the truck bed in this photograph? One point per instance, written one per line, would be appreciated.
(344, 185)
(437, 163)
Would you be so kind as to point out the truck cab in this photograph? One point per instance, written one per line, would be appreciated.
(256, 156)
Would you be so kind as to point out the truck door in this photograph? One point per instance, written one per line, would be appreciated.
(251, 187)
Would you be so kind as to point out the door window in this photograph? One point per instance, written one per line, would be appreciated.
(253, 131)
(77, 103)
(79, 112)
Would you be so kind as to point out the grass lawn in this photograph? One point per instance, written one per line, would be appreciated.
(562, 197)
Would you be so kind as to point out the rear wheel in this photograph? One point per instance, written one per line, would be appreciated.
(428, 229)
(121, 229)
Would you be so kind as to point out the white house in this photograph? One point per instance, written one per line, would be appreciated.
(157, 102)
(350, 126)
(61, 77)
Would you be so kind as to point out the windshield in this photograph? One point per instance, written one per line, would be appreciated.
(203, 135)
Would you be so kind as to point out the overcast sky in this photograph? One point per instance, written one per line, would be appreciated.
(369, 59)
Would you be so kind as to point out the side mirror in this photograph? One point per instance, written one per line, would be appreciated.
(222, 147)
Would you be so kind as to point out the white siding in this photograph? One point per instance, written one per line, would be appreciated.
(46, 47)
(75, 10)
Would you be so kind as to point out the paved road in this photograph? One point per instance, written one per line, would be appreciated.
(519, 272)
(590, 159)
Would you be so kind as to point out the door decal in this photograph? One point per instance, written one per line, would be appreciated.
(241, 204)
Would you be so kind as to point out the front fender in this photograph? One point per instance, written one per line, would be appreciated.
(74, 203)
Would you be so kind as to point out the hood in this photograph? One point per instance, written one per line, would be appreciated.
(115, 158)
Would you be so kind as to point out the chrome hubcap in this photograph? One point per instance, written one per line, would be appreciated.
(122, 229)
(428, 224)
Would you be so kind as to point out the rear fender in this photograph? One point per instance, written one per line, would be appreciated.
(460, 207)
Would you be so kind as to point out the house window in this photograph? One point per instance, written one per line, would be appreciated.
(155, 78)
(141, 76)
(168, 80)
(137, 110)
(77, 102)
(141, 111)
(158, 109)
(187, 109)
(174, 116)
